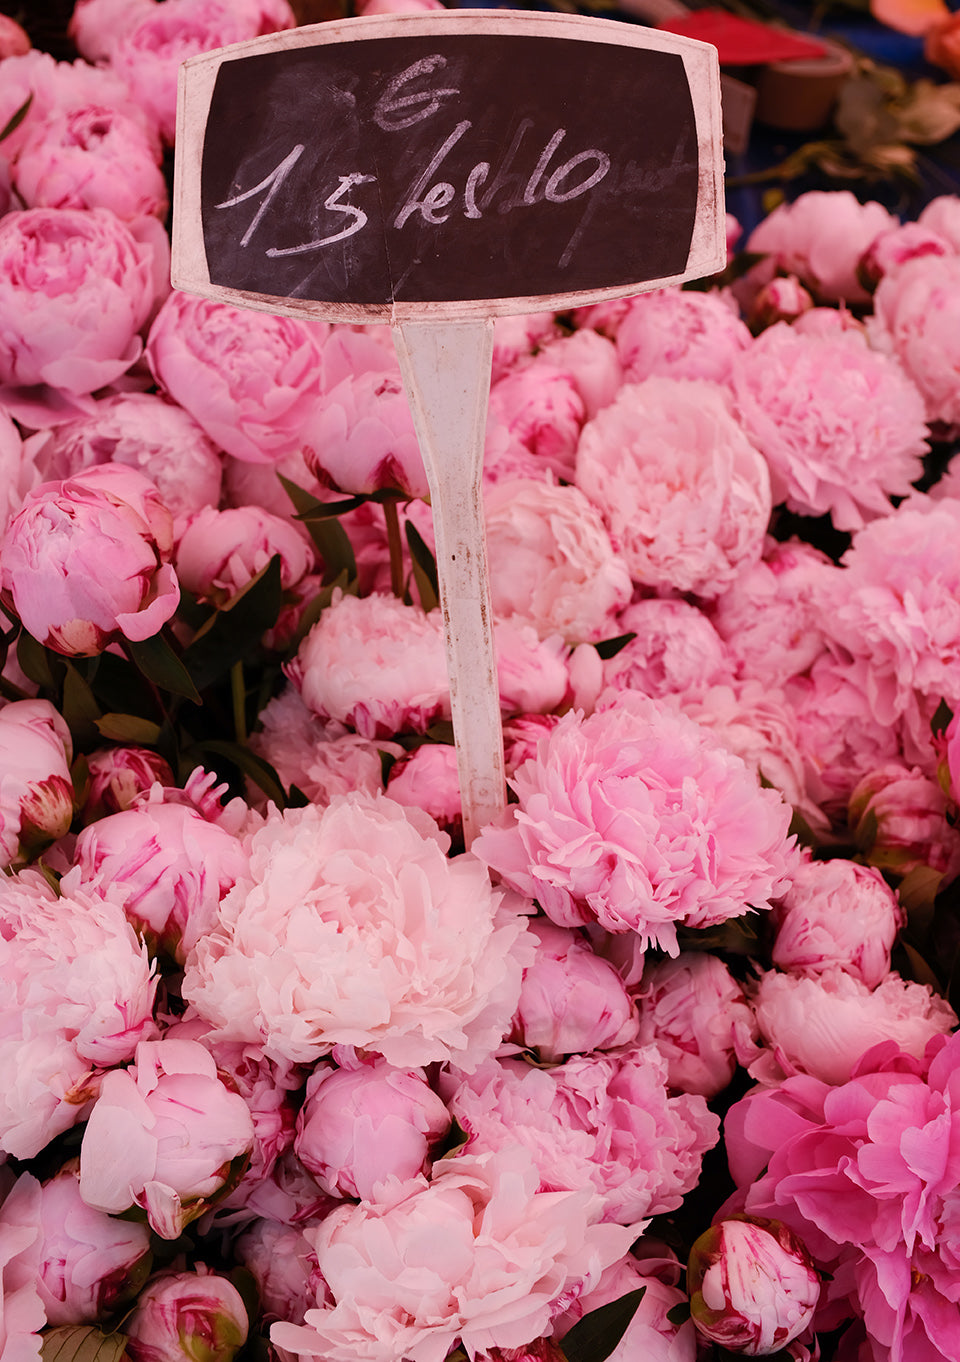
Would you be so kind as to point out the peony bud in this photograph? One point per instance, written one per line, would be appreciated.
(187, 1317)
(753, 1286)
(36, 797)
(897, 816)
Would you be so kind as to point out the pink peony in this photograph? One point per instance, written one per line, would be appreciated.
(85, 562)
(352, 927)
(364, 1127)
(639, 819)
(942, 216)
(18, 472)
(219, 553)
(22, 1315)
(592, 363)
(676, 649)
(118, 775)
(841, 426)
(97, 25)
(360, 437)
(898, 817)
(542, 407)
(837, 913)
(892, 249)
(375, 664)
(250, 379)
(284, 1266)
(533, 673)
(516, 338)
(916, 311)
(58, 268)
(783, 299)
(178, 1315)
(650, 1335)
(598, 1121)
(36, 787)
(79, 996)
(696, 1014)
(428, 778)
(163, 1135)
(479, 1254)
(571, 1001)
(552, 564)
(672, 333)
(823, 1025)
(55, 87)
(685, 495)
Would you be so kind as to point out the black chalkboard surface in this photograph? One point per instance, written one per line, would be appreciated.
(463, 163)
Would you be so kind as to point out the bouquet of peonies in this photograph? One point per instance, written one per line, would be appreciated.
(663, 1066)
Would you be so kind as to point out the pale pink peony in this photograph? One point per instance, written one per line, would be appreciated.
(820, 237)
(841, 426)
(533, 673)
(97, 25)
(591, 361)
(542, 406)
(144, 432)
(479, 1254)
(22, 1315)
(650, 1335)
(36, 787)
(837, 913)
(552, 564)
(92, 157)
(85, 562)
(79, 996)
(284, 1266)
(676, 649)
(898, 817)
(638, 818)
(351, 927)
(55, 87)
(58, 268)
(118, 775)
(219, 553)
(198, 1314)
(823, 1025)
(163, 1135)
(916, 312)
(250, 379)
(428, 778)
(697, 1016)
(672, 333)
(360, 437)
(571, 1001)
(363, 1127)
(600, 1121)
(375, 664)
(684, 494)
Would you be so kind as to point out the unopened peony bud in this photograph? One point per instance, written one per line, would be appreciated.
(898, 817)
(781, 300)
(36, 797)
(753, 1287)
(187, 1317)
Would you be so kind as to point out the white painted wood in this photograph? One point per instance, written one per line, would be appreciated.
(446, 375)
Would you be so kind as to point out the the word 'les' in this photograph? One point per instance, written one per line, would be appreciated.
(401, 106)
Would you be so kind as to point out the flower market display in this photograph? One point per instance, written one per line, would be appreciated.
(663, 1067)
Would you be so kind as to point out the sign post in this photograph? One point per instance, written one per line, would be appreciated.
(434, 171)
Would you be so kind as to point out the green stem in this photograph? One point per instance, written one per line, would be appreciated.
(239, 696)
(395, 545)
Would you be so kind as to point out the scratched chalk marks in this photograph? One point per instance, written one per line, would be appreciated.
(440, 167)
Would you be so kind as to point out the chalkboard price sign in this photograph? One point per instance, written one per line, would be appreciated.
(463, 163)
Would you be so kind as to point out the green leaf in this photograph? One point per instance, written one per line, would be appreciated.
(919, 969)
(246, 761)
(129, 728)
(238, 628)
(333, 543)
(941, 718)
(79, 707)
(160, 664)
(679, 1314)
(424, 568)
(81, 1343)
(35, 661)
(14, 122)
(609, 647)
(593, 1338)
(917, 891)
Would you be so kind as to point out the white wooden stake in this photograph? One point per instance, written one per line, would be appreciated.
(446, 376)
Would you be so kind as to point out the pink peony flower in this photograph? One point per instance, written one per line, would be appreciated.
(360, 437)
(676, 649)
(685, 495)
(672, 333)
(898, 815)
(517, 337)
(820, 237)
(85, 562)
(428, 778)
(696, 1014)
(219, 553)
(36, 787)
(916, 309)
(753, 1286)
(22, 1315)
(541, 405)
(97, 25)
(892, 249)
(598, 1121)
(783, 299)
(79, 996)
(364, 1127)
(650, 1334)
(18, 472)
(250, 379)
(639, 819)
(571, 1001)
(58, 268)
(162, 1135)
(837, 913)
(841, 426)
(118, 775)
(942, 216)
(178, 1315)
(351, 927)
(478, 1254)
(375, 664)
(824, 1025)
(552, 564)
(533, 673)
(55, 87)
(284, 1266)
(592, 363)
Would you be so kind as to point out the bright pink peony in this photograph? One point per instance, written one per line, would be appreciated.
(671, 333)
(552, 564)
(352, 927)
(916, 311)
(360, 437)
(250, 379)
(599, 1121)
(479, 1254)
(364, 1127)
(36, 787)
(676, 649)
(892, 249)
(218, 553)
(163, 1136)
(85, 562)
(375, 664)
(639, 819)
(841, 426)
(684, 494)
(56, 87)
(178, 1315)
